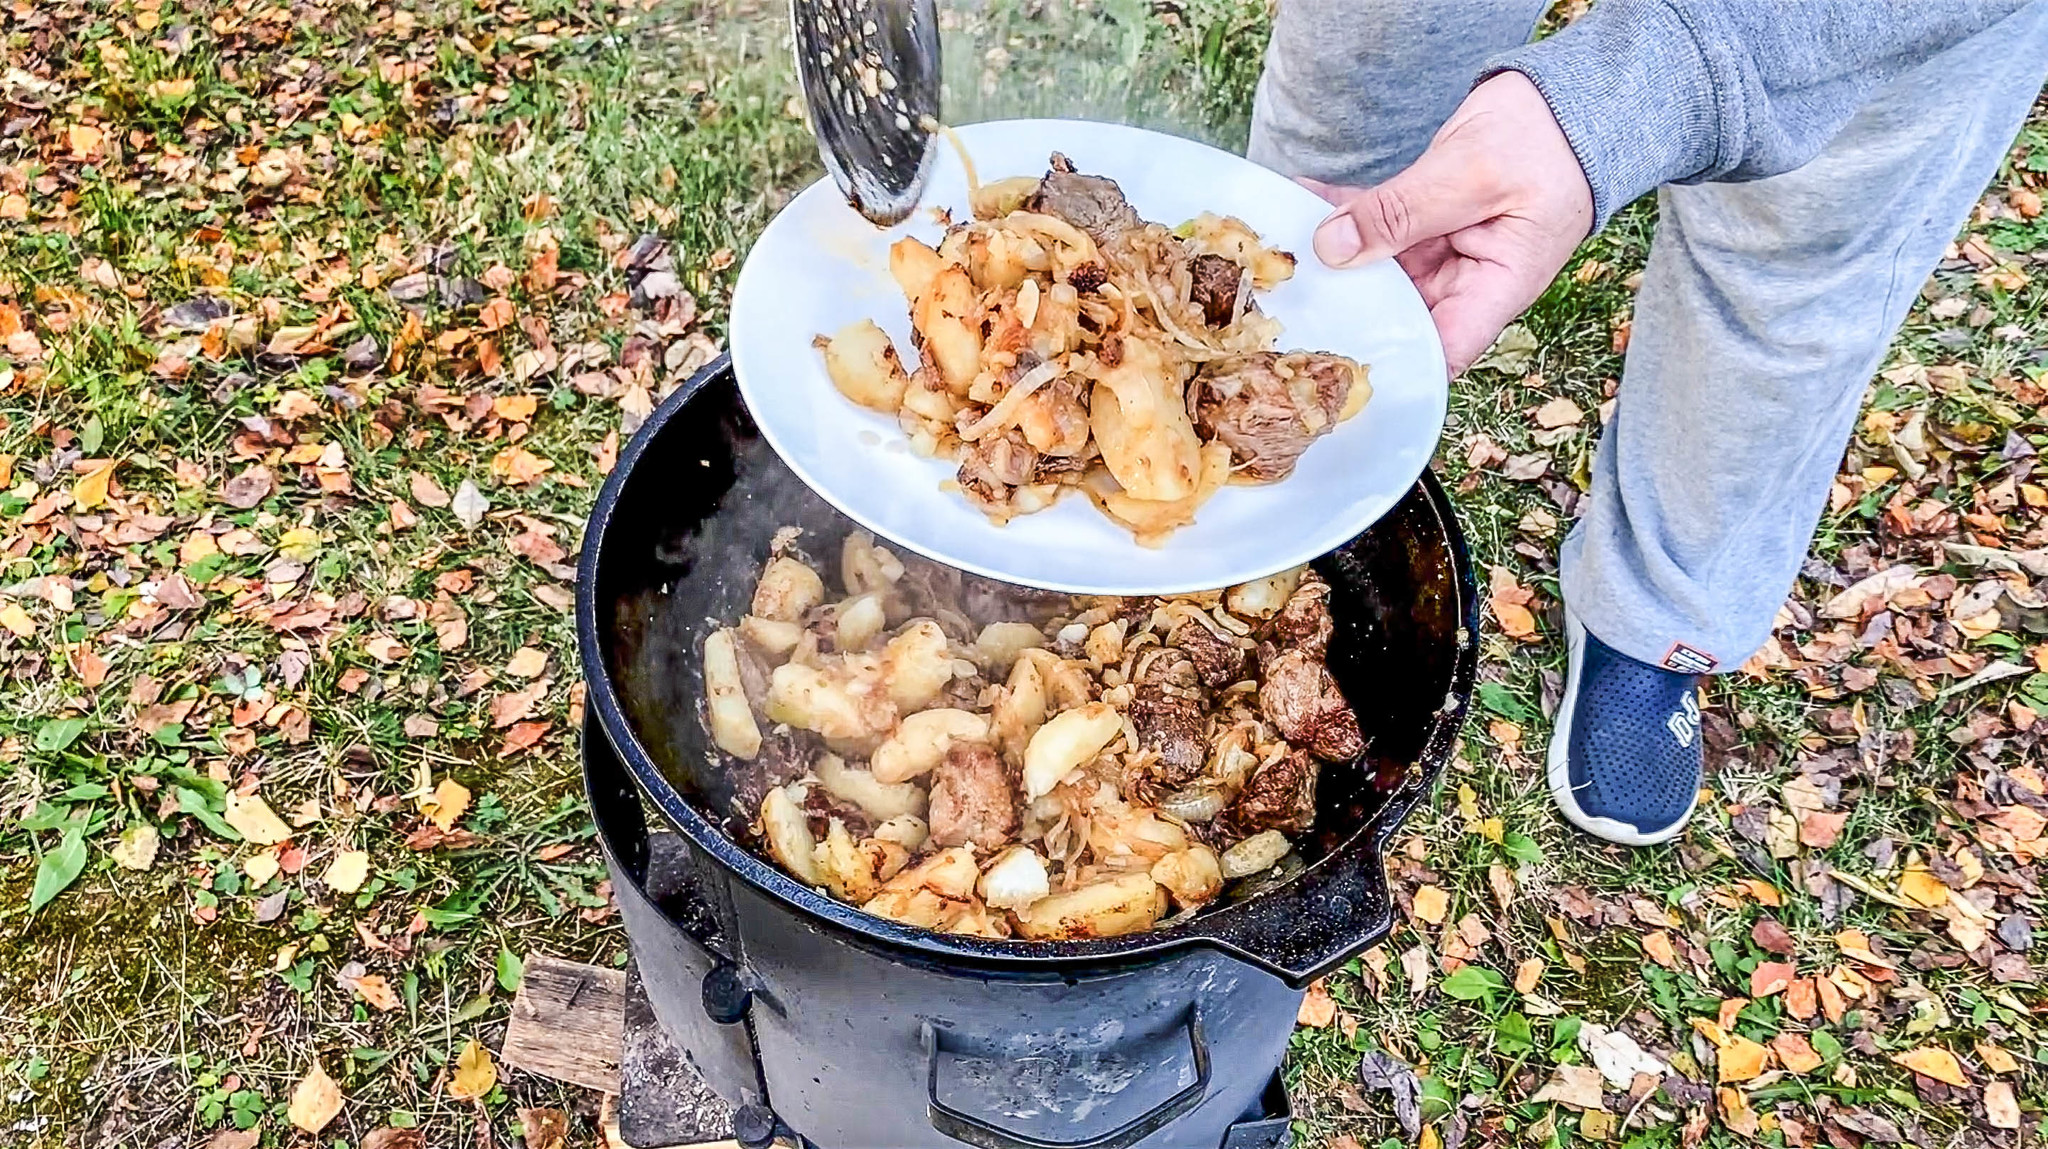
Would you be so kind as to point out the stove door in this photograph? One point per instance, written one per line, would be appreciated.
(861, 1051)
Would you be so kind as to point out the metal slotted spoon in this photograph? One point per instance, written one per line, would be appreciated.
(870, 74)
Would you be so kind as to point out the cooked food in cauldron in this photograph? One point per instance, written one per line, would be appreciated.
(980, 759)
(1063, 341)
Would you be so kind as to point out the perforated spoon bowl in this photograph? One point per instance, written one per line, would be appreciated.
(870, 75)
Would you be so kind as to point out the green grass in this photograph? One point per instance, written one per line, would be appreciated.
(153, 1004)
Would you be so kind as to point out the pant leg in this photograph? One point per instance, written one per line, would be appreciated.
(1354, 89)
(1763, 314)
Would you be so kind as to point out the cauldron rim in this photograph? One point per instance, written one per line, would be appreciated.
(1362, 852)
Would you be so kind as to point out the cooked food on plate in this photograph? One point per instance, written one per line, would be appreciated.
(974, 758)
(1062, 341)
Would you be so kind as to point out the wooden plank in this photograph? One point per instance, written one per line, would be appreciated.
(568, 1023)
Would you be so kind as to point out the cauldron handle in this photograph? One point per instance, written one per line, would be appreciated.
(970, 1130)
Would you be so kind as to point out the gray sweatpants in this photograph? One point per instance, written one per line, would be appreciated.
(1765, 310)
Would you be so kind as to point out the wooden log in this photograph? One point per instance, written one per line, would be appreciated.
(568, 1023)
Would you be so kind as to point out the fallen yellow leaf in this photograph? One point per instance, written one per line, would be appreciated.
(254, 820)
(84, 139)
(444, 807)
(261, 867)
(1468, 802)
(1741, 1059)
(1996, 1059)
(315, 1101)
(1936, 1062)
(1431, 904)
(17, 620)
(475, 1073)
(91, 489)
(347, 872)
(1922, 887)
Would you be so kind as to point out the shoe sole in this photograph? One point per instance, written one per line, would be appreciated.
(1559, 761)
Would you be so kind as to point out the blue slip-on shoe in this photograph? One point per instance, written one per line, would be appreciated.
(1626, 761)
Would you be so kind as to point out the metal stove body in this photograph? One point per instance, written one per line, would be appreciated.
(834, 1029)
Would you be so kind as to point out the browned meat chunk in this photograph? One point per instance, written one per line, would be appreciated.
(1214, 288)
(1300, 698)
(1092, 203)
(1088, 277)
(1219, 661)
(1281, 796)
(1267, 408)
(1304, 623)
(999, 462)
(1168, 711)
(784, 758)
(822, 808)
(972, 798)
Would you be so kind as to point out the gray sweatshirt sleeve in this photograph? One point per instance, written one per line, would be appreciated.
(1662, 91)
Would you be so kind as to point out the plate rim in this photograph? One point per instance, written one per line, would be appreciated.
(1322, 542)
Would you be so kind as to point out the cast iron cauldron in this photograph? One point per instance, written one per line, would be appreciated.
(846, 1031)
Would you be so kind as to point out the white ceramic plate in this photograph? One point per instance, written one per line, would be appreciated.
(819, 266)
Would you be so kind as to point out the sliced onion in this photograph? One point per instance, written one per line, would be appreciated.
(1194, 804)
(1004, 413)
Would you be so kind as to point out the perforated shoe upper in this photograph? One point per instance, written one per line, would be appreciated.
(1632, 761)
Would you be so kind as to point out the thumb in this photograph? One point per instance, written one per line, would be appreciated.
(1432, 197)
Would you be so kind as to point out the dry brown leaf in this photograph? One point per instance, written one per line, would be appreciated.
(1795, 1053)
(1318, 1009)
(1820, 829)
(1658, 946)
(1936, 1062)
(526, 662)
(475, 1073)
(254, 820)
(1528, 974)
(425, 491)
(1736, 1112)
(376, 990)
(1559, 412)
(1802, 999)
(2001, 1108)
(315, 1101)
(1770, 977)
(523, 736)
(1432, 904)
(384, 648)
(1575, 1085)
(514, 705)
(544, 1128)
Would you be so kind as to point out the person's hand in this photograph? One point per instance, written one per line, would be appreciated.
(1481, 222)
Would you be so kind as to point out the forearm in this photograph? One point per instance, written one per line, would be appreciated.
(1660, 91)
